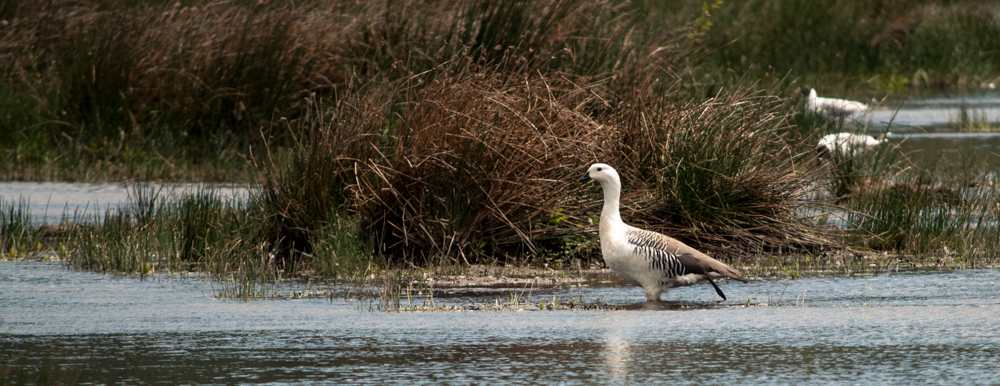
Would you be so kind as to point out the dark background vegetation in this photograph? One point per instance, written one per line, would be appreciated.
(454, 131)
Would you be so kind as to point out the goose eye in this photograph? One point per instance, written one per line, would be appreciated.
(598, 169)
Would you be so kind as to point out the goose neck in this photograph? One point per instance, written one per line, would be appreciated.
(610, 214)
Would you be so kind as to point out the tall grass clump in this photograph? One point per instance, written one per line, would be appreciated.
(482, 166)
(200, 231)
(459, 160)
(308, 186)
(482, 157)
(926, 212)
(341, 251)
(109, 85)
(18, 233)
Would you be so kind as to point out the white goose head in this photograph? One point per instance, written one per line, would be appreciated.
(603, 174)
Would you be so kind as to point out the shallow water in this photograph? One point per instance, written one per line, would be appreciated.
(938, 110)
(925, 126)
(896, 328)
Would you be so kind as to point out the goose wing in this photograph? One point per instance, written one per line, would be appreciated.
(674, 257)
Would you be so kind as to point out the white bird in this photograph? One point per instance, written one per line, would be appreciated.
(846, 145)
(832, 108)
(646, 258)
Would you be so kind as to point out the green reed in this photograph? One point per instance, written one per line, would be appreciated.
(18, 233)
(197, 232)
(944, 212)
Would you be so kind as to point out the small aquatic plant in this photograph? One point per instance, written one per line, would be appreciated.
(254, 276)
(197, 232)
(973, 122)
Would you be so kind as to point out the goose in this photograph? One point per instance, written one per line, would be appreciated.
(645, 258)
(848, 144)
(831, 108)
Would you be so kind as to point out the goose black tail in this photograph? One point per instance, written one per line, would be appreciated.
(717, 289)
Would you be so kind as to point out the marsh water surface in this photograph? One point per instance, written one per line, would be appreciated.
(943, 127)
(895, 328)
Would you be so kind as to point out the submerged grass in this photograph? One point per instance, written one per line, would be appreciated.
(972, 121)
(17, 371)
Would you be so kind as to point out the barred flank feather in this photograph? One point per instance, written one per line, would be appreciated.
(675, 258)
(651, 246)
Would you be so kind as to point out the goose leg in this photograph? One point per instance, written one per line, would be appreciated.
(653, 293)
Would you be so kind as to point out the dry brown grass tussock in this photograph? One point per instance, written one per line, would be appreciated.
(483, 159)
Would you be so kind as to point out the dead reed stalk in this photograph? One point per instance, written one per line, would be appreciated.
(482, 159)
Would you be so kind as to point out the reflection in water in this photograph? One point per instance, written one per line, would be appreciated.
(617, 352)
(926, 149)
